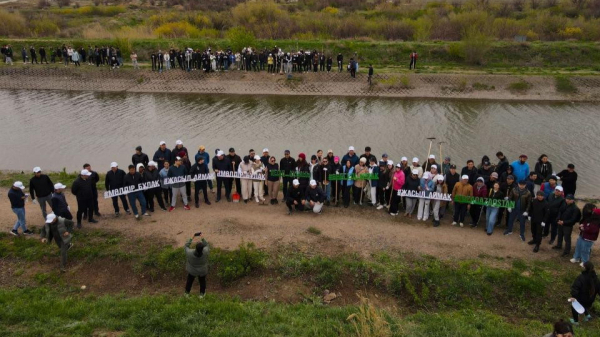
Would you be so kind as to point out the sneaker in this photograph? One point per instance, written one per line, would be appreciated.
(587, 318)
(522, 237)
(532, 242)
(551, 242)
(207, 202)
(186, 207)
(14, 232)
(137, 217)
(128, 212)
(565, 254)
(146, 214)
(581, 265)
(574, 260)
(536, 248)
(507, 233)
(453, 223)
(473, 225)
(93, 221)
(117, 214)
(393, 214)
(186, 295)
(79, 225)
(201, 296)
(171, 208)
(461, 225)
(573, 321)
(164, 209)
(28, 232)
(197, 205)
(380, 207)
(489, 234)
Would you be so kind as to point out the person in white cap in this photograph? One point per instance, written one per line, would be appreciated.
(433, 170)
(315, 197)
(430, 161)
(176, 171)
(222, 163)
(416, 166)
(556, 202)
(462, 188)
(152, 174)
(17, 203)
(82, 189)
(114, 180)
(359, 185)
(58, 229)
(41, 186)
(412, 183)
(177, 149)
(162, 155)
(258, 185)
(59, 202)
(350, 156)
(295, 198)
(427, 186)
(442, 188)
(94, 179)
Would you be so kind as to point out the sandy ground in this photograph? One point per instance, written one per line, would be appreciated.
(414, 85)
(360, 229)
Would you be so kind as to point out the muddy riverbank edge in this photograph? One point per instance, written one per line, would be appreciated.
(414, 85)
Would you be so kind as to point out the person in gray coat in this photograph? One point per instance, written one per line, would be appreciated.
(58, 229)
(196, 263)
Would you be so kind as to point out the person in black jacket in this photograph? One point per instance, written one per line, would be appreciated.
(113, 180)
(569, 179)
(139, 157)
(537, 216)
(340, 62)
(315, 197)
(161, 155)
(544, 171)
(200, 168)
(95, 178)
(82, 189)
(222, 163)
(59, 202)
(41, 185)
(471, 171)
(287, 164)
(152, 174)
(585, 289)
(502, 165)
(555, 204)
(302, 167)
(133, 178)
(235, 163)
(295, 197)
(567, 217)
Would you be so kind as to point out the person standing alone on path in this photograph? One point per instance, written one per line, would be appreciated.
(413, 60)
(370, 74)
(41, 185)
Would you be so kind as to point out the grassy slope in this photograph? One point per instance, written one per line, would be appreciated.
(506, 57)
(434, 297)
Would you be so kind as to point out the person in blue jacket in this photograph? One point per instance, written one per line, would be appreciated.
(162, 155)
(348, 168)
(202, 152)
(350, 156)
(521, 168)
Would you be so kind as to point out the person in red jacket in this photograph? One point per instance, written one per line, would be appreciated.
(589, 227)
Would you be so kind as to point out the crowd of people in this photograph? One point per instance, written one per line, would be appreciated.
(273, 60)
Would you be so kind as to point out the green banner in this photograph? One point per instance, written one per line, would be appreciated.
(292, 174)
(345, 176)
(484, 201)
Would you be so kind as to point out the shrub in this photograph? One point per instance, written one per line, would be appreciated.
(12, 24)
(564, 84)
(177, 30)
(63, 3)
(475, 45)
(44, 27)
(519, 87)
(313, 230)
(233, 265)
(240, 37)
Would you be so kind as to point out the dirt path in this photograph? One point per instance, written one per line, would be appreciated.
(363, 230)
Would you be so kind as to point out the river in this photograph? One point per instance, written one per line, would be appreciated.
(56, 129)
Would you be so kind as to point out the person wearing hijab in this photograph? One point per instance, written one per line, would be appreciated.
(426, 185)
(438, 205)
(246, 168)
(258, 168)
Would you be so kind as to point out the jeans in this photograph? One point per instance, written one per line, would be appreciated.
(514, 215)
(42, 201)
(190, 281)
(20, 212)
(328, 191)
(410, 205)
(490, 219)
(137, 196)
(115, 202)
(436, 209)
(564, 232)
(583, 248)
(460, 210)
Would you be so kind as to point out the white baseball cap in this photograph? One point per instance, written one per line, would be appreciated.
(152, 163)
(177, 158)
(390, 162)
(50, 217)
(404, 159)
(37, 169)
(221, 153)
(114, 164)
(162, 142)
(397, 165)
(439, 177)
(296, 182)
(59, 186)
(415, 160)
(19, 185)
(85, 172)
(415, 171)
(434, 166)
(178, 142)
(351, 148)
(432, 156)
(427, 175)
(256, 158)
(560, 188)
(313, 183)
(465, 177)
(265, 150)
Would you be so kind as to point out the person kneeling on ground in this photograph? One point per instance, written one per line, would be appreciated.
(58, 229)
(585, 289)
(315, 197)
(196, 263)
(295, 197)
(561, 329)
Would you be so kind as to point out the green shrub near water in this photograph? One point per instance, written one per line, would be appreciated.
(564, 85)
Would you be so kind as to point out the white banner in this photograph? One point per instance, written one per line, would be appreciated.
(130, 189)
(232, 174)
(185, 179)
(421, 195)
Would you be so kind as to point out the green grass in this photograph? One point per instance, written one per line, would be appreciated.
(7, 178)
(313, 230)
(519, 87)
(564, 85)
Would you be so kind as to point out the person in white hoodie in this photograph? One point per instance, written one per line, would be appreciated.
(258, 168)
(427, 186)
(246, 168)
(416, 166)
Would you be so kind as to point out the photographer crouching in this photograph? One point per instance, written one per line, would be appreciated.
(196, 263)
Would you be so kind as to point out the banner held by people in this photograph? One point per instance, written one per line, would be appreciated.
(422, 195)
(238, 175)
(188, 178)
(498, 203)
(130, 189)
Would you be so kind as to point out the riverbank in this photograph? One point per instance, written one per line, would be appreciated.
(414, 85)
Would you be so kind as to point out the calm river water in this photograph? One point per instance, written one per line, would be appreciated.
(56, 129)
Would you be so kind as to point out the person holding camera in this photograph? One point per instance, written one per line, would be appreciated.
(196, 263)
